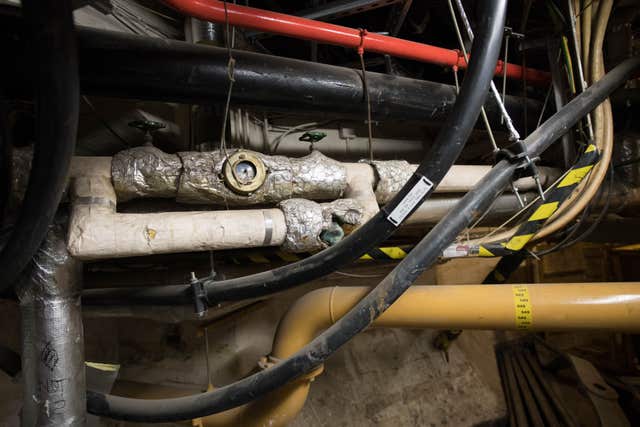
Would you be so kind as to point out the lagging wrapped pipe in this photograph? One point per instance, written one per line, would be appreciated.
(52, 337)
(198, 177)
(98, 231)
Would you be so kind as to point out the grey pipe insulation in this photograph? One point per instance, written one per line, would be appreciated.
(447, 147)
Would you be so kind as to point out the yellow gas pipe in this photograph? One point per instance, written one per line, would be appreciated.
(569, 307)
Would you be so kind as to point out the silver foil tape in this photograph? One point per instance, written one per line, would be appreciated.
(54, 273)
(343, 211)
(314, 176)
(306, 220)
(145, 172)
(391, 176)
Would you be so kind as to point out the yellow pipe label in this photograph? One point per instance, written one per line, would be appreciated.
(524, 314)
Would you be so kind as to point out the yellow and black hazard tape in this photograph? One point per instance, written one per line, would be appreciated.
(541, 211)
(386, 253)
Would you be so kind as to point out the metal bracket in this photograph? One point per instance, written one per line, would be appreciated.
(200, 301)
(517, 153)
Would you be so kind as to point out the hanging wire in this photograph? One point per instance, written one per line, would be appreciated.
(514, 135)
(504, 72)
(206, 355)
(365, 87)
(229, 38)
(366, 93)
(583, 82)
(483, 113)
(544, 106)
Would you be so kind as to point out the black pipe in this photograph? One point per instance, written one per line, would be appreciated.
(53, 61)
(441, 155)
(129, 66)
(448, 145)
(113, 64)
(381, 297)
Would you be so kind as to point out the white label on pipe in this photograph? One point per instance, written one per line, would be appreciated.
(410, 201)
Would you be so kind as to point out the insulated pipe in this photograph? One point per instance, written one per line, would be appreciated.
(130, 66)
(554, 307)
(97, 231)
(442, 155)
(53, 59)
(52, 338)
(307, 29)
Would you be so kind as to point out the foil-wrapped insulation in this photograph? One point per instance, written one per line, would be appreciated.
(343, 211)
(391, 175)
(306, 221)
(54, 273)
(314, 176)
(52, 337)
(145, 172)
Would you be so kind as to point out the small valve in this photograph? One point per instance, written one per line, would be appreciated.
(147, 126)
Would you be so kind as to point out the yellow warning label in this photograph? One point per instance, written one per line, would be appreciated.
(524, 314)
(575, 176)
(544, 211)
(517, 242)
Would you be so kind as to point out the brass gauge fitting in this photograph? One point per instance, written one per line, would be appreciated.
(244, 172)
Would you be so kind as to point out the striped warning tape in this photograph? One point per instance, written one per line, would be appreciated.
(542, 210)
(387, 253)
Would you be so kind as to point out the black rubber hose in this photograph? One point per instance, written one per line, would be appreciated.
(446, 149)
(440, 157)
(53, 52)
(381, 297)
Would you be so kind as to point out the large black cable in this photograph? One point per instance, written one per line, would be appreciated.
(381, 297)
(52, 49)
(448, 145)
(440, 157)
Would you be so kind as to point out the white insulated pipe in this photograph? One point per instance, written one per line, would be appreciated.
(97, 231)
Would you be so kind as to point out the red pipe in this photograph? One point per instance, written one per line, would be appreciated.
(302, 28)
